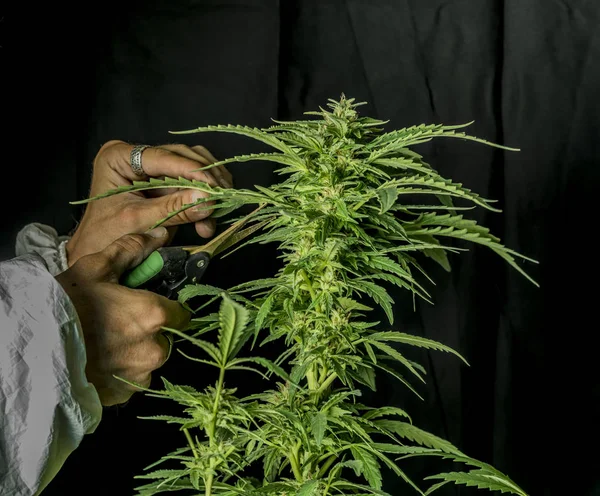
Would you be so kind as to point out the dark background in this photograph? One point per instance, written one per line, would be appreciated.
(527, 72)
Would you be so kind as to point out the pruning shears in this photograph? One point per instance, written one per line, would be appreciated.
(168, 269)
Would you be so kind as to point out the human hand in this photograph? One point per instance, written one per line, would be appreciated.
(108, 219)
(121, 326)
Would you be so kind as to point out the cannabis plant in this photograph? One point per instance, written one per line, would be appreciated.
(347, 227)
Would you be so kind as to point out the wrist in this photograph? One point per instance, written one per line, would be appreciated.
(70, 250)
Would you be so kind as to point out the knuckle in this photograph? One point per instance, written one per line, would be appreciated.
(174, 201)
(163, 152)
(91, 266)
(108, 145)
(129, 216)
(130, 242)
(146, 381)
(171, 146)
(192, 215)
(205, 152)
(106, 151)
(142, 379)
(156, 315)
(156, 357)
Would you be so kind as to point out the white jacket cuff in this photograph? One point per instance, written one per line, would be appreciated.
(46, 403)
(45, 242)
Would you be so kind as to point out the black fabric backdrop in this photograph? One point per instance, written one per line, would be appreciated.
(527, 72)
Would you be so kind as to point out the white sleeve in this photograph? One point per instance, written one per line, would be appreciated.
(44, 241)
(46, 403)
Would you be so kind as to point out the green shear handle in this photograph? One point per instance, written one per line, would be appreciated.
(168, 269)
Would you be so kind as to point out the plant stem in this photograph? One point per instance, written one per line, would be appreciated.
(330, 378)
(191, 442)
(294, 462)
(323, 374)
(326, 466)
(213, 424)
(310, 378)
(211, 432)
(311, 290)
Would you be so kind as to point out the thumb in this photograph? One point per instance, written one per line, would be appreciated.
(161, 206)
(131, 250)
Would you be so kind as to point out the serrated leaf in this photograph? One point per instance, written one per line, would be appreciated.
(153, 183)
(402, 450)
(255, 133)
(266, 363)
(209, 348)
(366, 375)
(388, 350)
(485, 468)
(195, 479)
(355, 465)
(167, 418)
(474, 479)
(370, 464)
(387, 197)
(413, 433)
(352, 486)
(318, 426)
(370, 352)
(281, 158)
(412, 340)
(271, 463)
(379, 295)
(190, 291)
(440, 256)
(350, 304)
(309, 488)
(373, 413)
(299, 372)
(233, 318)
(163, 474)
(398, 376)
(263, 311)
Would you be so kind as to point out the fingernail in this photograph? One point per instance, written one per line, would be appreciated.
(197, 196)
(158, 232)
(221, 180)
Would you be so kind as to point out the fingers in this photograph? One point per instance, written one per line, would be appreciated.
(206, 228)
(143, 357)
(165, 341)
(160, 207)
(167, 160)
(220, 170)
(201, 154)
(117, 391)
(133, 351)
(112, 168)
(132, 249)
(122, 327)
(164, 313)
(149, 351)
(161, 161)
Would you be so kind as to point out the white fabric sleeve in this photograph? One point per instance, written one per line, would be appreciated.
(45, 241)
(46, 403)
